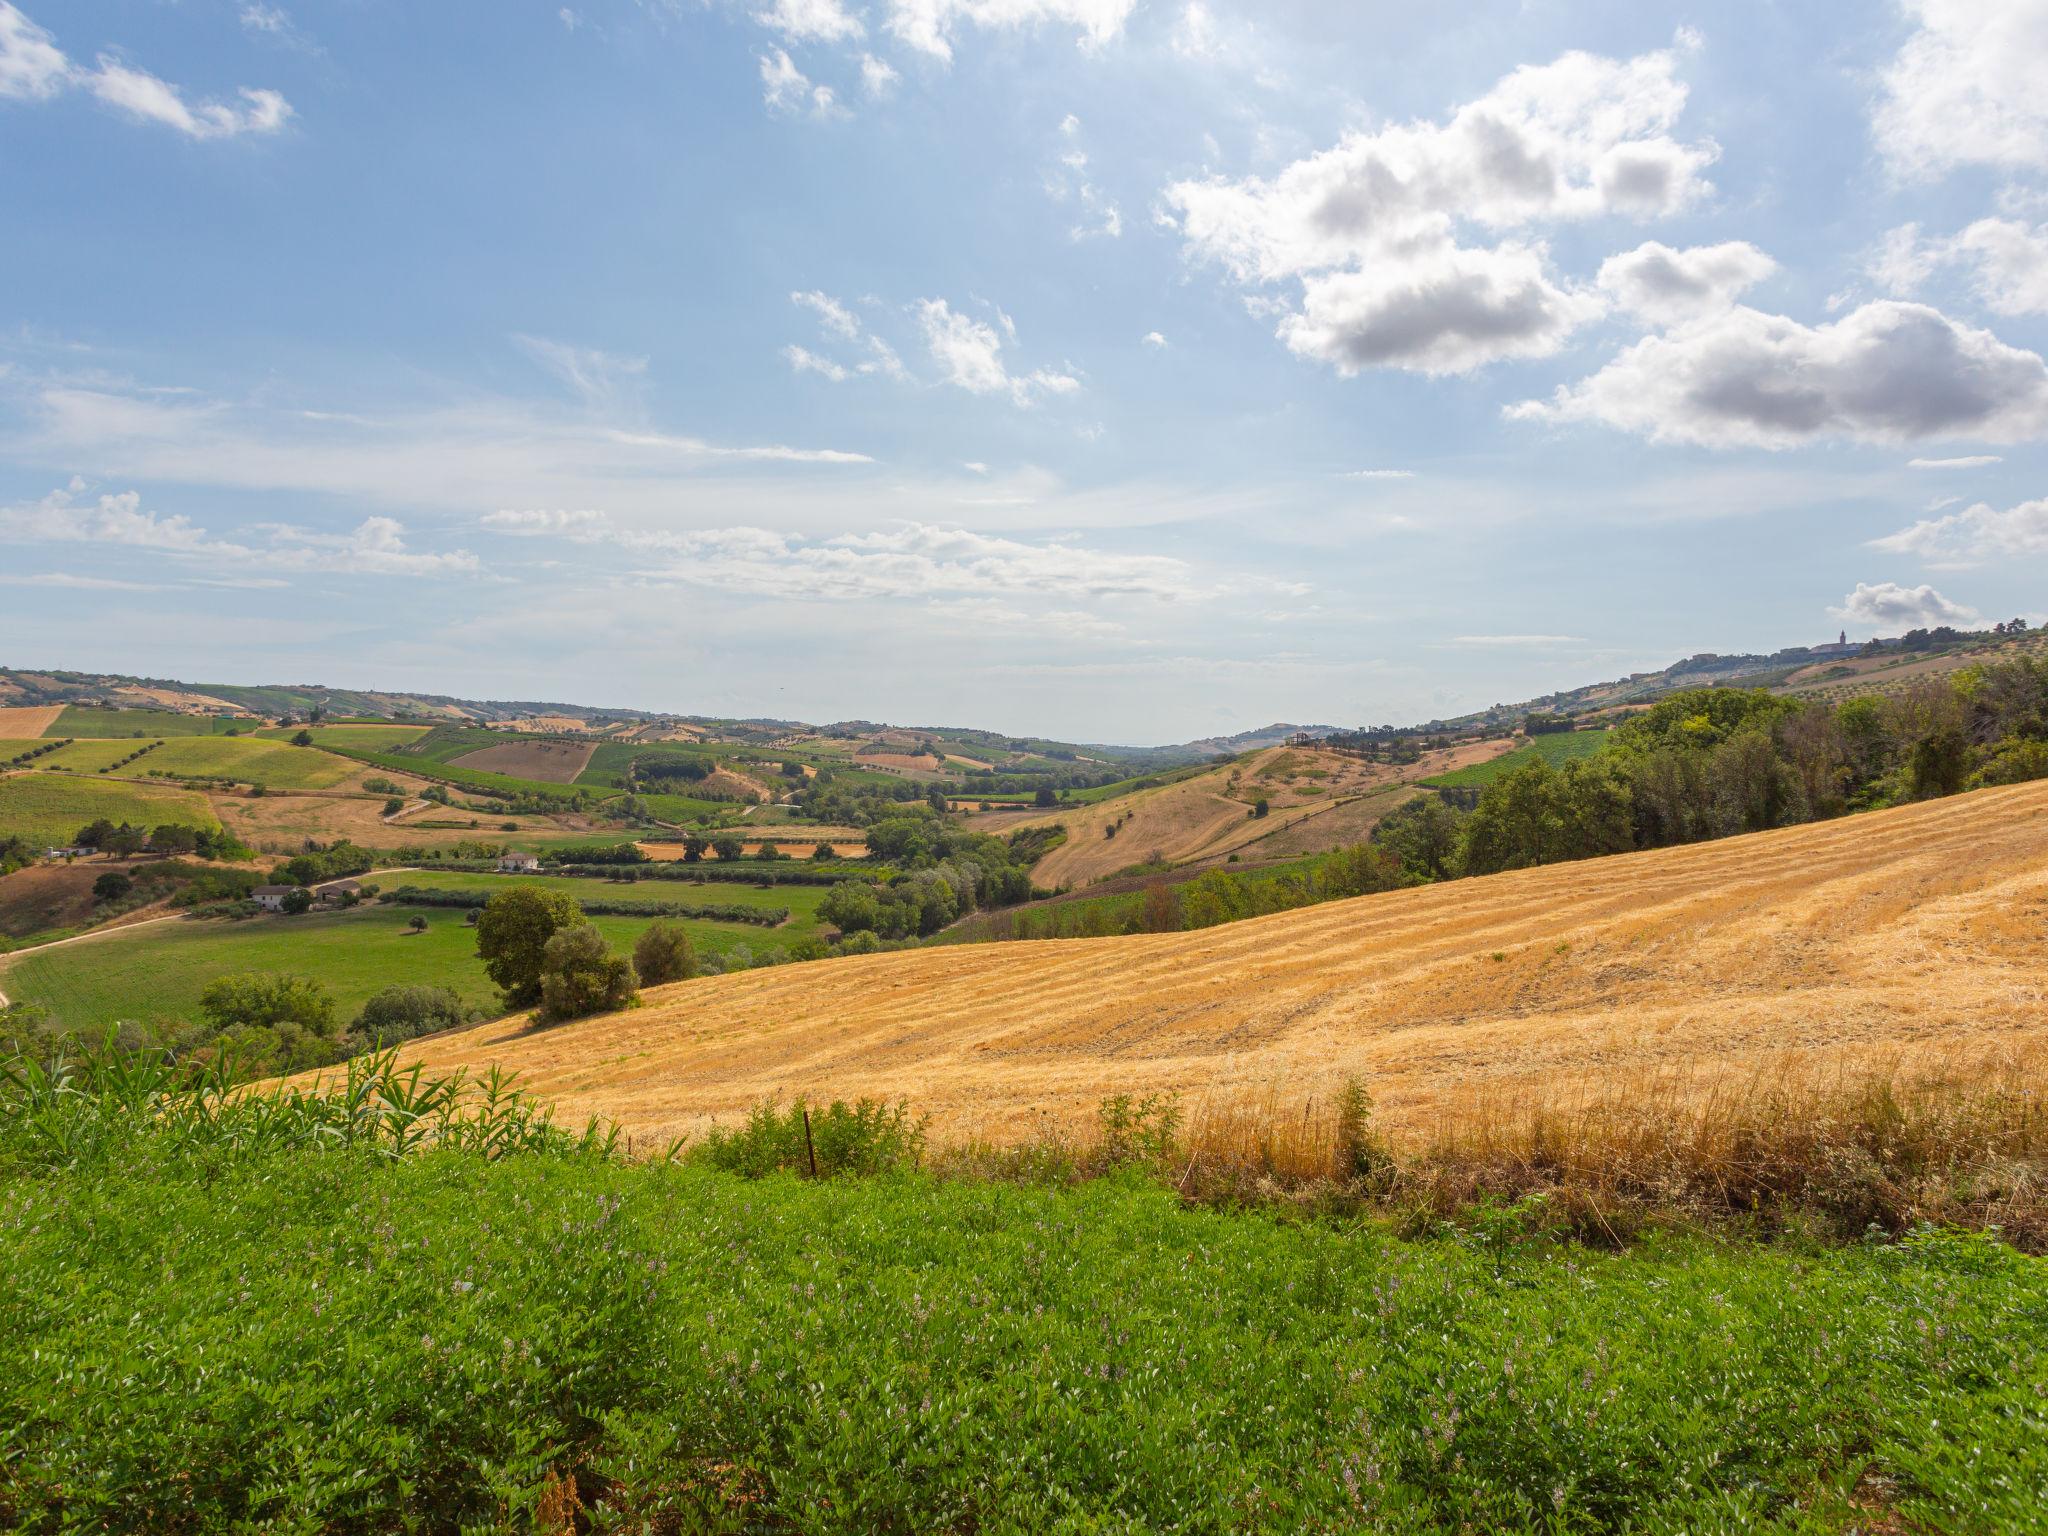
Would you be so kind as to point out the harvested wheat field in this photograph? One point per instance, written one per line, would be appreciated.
(28, 721)
(548, 762)
(1916, 933)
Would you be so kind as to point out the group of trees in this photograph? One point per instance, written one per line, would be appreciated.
(943, 872)
(125, 840)
(1713, 762)
(539, 948)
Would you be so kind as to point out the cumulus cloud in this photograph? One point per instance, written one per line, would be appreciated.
(930, 25)
(785, 88)
(1885, 373)
(1195, 35)
(1372, 228)
(1155, 340)
(536, 522)
(34, 68)
(812, 20)
(2006, 260)
(1664, 287)
(969, 356)
(1973, 536)
(878, 77)
(376, 546)
(914, 560)
(1886, 605)
(1966, 88)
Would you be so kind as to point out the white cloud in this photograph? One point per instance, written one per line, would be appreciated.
(1154, 339)
(1973, 536)
(834, 316)
(607, 382)
(802, 360)
(1379, 474)
(929, 25)
(1966, 88)
(1884, 373)
(969, 356)
(1886, 605)
(265, 18)
(2007, 261)
(1664, 287)
(785, 88)
(84, 583)
(1194, 36)
(812, 20)
(911, 561)
(571, 20)
(1372, 226)
(1068, 181)
(1966, 461)
(556, 522)
(376, 546)
(975, 467)
(877, 76)
(34, 68)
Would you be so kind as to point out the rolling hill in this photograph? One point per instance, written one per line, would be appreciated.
(1916, 931)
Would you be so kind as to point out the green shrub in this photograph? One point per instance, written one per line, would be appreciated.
(865, 1137)
(579, 975)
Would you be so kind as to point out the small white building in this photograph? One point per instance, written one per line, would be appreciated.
(271, 897)
(518, 864)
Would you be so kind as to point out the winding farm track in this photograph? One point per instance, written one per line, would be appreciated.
(1916, 932)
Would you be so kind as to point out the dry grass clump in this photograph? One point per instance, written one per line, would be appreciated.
(1828, 1154)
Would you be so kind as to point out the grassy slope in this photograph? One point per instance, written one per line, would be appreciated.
(801, 900)
(369, 1342)
(1556, 749)
(159, 971)
(365, 738)
(88, 720)
(51, 807)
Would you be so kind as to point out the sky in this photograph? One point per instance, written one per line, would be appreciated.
(1115, 370)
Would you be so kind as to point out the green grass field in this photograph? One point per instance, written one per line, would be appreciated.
(1556, 749)
(248, 760)
(51, 807)
(801, 900)
(89, 720)
(350, 738)
(344, 1340)
(157, 972)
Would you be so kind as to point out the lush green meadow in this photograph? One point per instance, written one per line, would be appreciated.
(802, 901)
(1556, 749)
(351, 738)
(51, 807)
(156, 972)
(193, 1339)
(91, 720)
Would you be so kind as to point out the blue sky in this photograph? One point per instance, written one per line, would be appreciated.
(1114, 369)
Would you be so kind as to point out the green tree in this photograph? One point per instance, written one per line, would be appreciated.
(262, 999)
(400, 1013)
(303, 739)
(1045, 798)
(296, 903)
(173, 839)
(512, 935)
(1425, 836)
(579, 975)
(663, 954)
(823, 854)
(111, 886)
(851, 907)
(694, 847)
(728, 847)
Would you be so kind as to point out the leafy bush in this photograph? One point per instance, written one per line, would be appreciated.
(663, 954)
(400, 1013)
(512, 936)
(865, 1137)
(579, 975)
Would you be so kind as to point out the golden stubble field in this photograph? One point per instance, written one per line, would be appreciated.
(1915, 935)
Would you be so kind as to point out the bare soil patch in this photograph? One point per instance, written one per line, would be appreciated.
(1898, 936)
(548, 762)
(281, 823)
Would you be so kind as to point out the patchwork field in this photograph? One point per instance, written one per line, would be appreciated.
(157, 973)
(548, 762)
(90, 720)
(1556, 749)
(280, 823)
(847, 843)
(352, 738)
(1920, 932)
(51, 807)
(28, 720)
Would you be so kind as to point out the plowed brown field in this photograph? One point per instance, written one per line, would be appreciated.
(28, 721)
(1910, 932)
(549, 762)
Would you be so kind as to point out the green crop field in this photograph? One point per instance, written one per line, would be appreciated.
(90, 720)
(330, 1340)
(157, 971)
(358, 738)
(801, 900)
(51, 807)
(1556, 749)
(89, 754)
(273, 764)
(475, 780)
